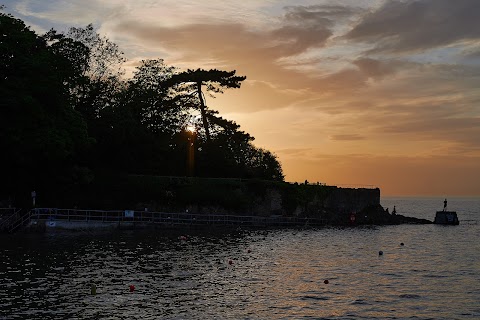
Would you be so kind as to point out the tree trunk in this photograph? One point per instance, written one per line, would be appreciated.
(202, 110)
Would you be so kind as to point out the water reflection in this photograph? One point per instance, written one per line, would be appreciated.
(273, 274)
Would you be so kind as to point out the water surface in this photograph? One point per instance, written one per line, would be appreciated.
(251, 274)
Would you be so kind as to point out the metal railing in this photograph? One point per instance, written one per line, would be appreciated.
(22, 220)
(356, 186)
(13, 218)
(196, 180)
(167, 218)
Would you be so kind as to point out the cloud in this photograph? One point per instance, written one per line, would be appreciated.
(69, 13)
(228, 45)
(310, 26)
(346, 137)
(255, 96)
(473, 53)
(255, 53)
(300, 29)
(413, 25)
(319, 14)
(464, 131)
(376, 69)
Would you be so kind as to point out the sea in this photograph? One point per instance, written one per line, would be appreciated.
(368, 272)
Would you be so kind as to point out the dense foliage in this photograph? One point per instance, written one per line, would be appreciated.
(67, 114)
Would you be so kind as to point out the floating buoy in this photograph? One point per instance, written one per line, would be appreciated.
(93, 289)
(326, 281)
(401, 244)
(352, 218)
(380, 253)
(132, 287)
(183, 238)
(249, 250)
(230, 262)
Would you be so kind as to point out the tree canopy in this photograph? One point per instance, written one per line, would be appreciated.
(40, 131)
(214, 80)
(67, 113)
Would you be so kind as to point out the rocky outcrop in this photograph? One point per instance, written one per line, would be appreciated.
(377, 215)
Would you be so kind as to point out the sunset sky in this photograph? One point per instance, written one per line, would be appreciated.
(359, 92)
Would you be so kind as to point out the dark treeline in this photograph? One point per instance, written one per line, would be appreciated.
(68, 115)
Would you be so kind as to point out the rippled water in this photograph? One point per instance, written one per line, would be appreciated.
(274, 274)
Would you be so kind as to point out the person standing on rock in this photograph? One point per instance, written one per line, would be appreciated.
(445, 205)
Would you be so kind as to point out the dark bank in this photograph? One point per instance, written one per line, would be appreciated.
(139, 202)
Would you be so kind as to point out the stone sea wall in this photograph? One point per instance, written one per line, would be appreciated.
(333, 204)
(339, 200)
(262, 198)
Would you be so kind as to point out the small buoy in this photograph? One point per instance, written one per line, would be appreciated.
(380, 253)
(230, 262)
(401, 244)
(183, 238)
(249, 250)
(132, 287)
(326, 281)
(93, 289)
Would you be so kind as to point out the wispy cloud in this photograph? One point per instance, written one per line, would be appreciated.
(414, 25)
(346, 137)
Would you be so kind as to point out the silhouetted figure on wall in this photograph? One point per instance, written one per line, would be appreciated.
(445, 205)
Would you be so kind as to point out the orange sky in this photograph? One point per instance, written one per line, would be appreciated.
(371, 92)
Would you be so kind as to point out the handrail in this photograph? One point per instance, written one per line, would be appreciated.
(7, 211)
(116, 216)
(356, 186)
(21, 221)
(6, 223)
(22, 217)
(15, 220)
(201, 179)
